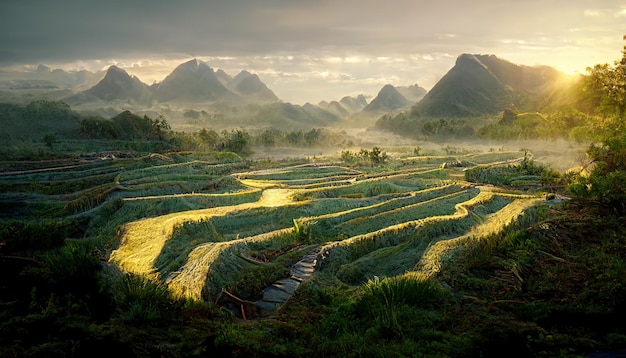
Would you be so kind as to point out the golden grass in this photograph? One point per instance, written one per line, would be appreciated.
(190, 280)
(460, 212)
(431, 260)
(142, 241)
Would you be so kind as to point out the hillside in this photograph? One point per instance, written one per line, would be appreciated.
(478, 87)
(413, 93)
(470, 88)
(346, 106)
(38, 119)
(251, 88)
(192, 82)
(117, 85)
(388, 99)
(291, 116)
(396, 256)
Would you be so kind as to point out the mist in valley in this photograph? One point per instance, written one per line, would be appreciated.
(312, 178)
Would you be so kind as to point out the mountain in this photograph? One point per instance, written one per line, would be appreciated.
(223, 77)
(476, 87)
(192, 82)
(387, 99)
(346, 106)
(117, 84)
(334, 107)
(251, 88)
(485, 84)
(413, 93)
(354, 104)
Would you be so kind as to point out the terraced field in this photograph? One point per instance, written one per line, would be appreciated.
(216, 227)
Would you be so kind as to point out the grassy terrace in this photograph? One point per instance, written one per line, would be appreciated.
(367, 222)
(189, 227)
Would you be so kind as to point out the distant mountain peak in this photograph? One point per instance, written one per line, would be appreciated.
(251, 86)
(484, 84)
(192, 63)
(115, 71)
(243, 74)
(117, 84)
(388, 99)
(413, 93)
(192, 81)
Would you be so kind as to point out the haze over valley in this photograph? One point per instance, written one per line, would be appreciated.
(312, 178)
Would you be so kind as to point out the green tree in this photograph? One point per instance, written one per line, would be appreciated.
(607, 180)
(604, 92)
(209, 139)
(376, 156)
(159, 126)
(237, 141)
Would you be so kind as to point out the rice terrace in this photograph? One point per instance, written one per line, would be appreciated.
(312, 179)
(253, 239)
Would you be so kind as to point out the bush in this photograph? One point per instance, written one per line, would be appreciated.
(385, 300)
(17, 235)
(141, 300)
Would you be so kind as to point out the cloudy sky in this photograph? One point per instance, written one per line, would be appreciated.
(310, 50)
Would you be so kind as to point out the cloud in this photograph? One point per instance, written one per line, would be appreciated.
(593, 13)
(355, 42)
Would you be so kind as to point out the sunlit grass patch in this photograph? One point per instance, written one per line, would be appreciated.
(493, 223)
(398, 248)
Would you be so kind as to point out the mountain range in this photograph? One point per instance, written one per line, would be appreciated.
(477, 85)
(485, 84)
(193, 82)
(346, 106)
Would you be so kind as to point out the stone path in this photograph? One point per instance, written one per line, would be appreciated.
(280, 291)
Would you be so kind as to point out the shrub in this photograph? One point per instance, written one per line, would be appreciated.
(141, 300)
(385, 300)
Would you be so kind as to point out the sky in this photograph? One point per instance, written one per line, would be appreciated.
(309, 50)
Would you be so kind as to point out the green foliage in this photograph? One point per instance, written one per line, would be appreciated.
(94, 127)
(19, 235)
(606, 181)
(375, 157)
(125, 125)
(141, 301)
(251, 282)
(49, 139)
(302, 230)
(236, 141)
(443, 127)
(607, 88)
(604, 87)
(383, 299)
(73, 267)
(525, 174)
